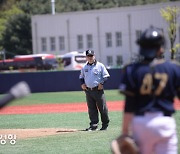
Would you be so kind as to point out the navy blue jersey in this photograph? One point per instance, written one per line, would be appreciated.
(150, 87)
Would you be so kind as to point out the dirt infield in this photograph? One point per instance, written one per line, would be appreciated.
(56, 108)
(63, 108)
(53, 108)
(47, 108)
(31, 133)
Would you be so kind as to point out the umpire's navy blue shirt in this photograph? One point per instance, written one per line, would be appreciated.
(93, 74)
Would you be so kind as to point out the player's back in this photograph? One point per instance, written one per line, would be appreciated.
(153, 84)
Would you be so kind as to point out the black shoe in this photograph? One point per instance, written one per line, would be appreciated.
(104, 127)
(92, 128)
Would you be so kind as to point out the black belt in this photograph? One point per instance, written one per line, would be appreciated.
(165, 114)
(94, 88)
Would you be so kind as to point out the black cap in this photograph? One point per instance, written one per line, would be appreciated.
(89, 52)
(151, 38)
(150, 42)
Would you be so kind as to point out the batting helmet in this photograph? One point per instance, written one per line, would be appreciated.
(150, 41)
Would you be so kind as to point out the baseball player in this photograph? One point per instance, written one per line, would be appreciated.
(150, 87)
(93, 76)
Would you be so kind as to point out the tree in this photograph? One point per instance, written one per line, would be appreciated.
(17, 36)
(170, 14)
(5, 15)
(33, 7)
(15, 25)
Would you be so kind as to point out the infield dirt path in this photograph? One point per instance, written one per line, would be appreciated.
(63, 108)
(53, 108)
(56, 108)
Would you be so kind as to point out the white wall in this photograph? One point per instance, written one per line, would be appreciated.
(98, 22)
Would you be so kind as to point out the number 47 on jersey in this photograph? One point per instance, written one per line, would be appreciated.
(147, 84)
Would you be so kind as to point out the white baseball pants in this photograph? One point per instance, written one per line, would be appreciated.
(155, 133)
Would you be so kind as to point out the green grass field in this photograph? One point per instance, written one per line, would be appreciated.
(72, 143)
(63, 97)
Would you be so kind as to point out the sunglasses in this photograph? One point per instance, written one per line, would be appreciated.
(89, 55)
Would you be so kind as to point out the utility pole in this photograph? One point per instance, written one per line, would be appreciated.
(3, 53)
(53, 6)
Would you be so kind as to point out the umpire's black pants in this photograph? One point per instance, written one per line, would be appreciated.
(96, 102)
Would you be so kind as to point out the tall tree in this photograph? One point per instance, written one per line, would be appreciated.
(170, 15)
(33, 7)
(7, 11)
(17, 36)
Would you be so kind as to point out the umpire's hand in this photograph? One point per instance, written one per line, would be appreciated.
(84, 87)
(100, 87)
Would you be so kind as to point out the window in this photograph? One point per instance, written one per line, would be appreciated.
(119, 60)
(61, 43)
(109, 61)
(138, 34)
(80, 59)
(118, 39)
(108, 40)
(52, 44)
(67, 61)
(89, 41)
(80, 41)
(43, 44)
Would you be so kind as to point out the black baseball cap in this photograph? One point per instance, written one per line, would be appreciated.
(150, 42)
(89, 52)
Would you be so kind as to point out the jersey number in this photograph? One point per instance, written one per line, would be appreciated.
(147, 83)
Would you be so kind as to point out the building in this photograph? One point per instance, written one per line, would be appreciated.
(111, 33)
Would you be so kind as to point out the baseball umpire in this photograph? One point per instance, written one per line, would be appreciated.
(93, 76)
(150, 87)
